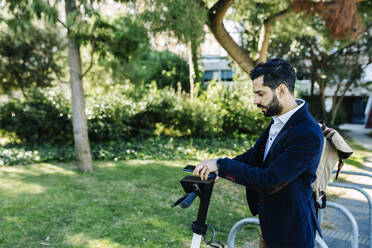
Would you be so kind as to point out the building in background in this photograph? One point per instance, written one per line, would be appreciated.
(217, 68)
(353, 105)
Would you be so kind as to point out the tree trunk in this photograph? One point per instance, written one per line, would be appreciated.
(79, 122)
(266, 29)
(195, 58)
(241, 56)
(338, 103)
(312, 88)
(334, 111)
(313, 76)
(335, 103)
(191, 71)
(322, 97)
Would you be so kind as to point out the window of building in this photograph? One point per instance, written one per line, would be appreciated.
(219, 75)
(226, 75)
(209, 75)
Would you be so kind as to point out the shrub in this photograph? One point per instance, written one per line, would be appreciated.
(125, 112)
(166, 69)
(116, 115)
(40, 118)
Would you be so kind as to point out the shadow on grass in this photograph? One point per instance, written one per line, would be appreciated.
(121, 204)
(354, 162)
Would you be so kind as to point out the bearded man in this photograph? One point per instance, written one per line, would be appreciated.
(279, 169)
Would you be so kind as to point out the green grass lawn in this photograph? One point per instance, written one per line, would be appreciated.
(357, 159)
(120, 204)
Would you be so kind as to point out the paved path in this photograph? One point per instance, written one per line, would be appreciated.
(336, 227)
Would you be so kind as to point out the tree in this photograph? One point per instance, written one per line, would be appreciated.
(256, 15)
(28, 57)
(27, 12)
(341, 69)
(79, 120)
(325, 61)
(78, 33)
(337, 19)
(118, 42)
(183, 20)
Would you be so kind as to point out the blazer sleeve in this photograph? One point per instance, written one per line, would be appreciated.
(246, 157)
(298, 155)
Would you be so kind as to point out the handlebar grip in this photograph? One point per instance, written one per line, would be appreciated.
(212, 175)
(188, 200)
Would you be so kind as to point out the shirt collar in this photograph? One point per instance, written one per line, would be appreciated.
(285, 117)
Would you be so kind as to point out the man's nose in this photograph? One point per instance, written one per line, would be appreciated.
(256, 101)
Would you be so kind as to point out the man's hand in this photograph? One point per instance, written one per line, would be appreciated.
(205, 167)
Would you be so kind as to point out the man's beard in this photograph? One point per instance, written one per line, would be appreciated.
(273, 108)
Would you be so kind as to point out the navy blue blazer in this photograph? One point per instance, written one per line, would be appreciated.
(279, 188)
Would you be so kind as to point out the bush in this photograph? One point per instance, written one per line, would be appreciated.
(41, 118)
(108, 119)
(166, 69)
(125, 112)
(225, 110)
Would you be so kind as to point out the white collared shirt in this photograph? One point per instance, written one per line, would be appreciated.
(279, 122)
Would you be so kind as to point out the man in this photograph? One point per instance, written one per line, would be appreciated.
(279, 169)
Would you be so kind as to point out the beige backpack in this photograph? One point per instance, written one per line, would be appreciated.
(335, 149)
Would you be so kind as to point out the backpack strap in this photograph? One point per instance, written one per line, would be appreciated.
(322, 203)
(328, 131)
(322, 125)
(339, 167)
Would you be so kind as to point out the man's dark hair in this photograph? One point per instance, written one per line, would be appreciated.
(275, 72)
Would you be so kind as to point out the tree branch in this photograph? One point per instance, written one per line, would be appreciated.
(20, 84)
(92, 42)
(216, 15)
(59, 78)
(335, 94)
(63, 24)
(58, 20)
(263, 43)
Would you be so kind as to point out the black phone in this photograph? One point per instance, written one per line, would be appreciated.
(189, 168)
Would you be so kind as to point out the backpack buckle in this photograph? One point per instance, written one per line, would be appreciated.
(323, 200)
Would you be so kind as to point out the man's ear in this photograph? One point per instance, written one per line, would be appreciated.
(281, 90)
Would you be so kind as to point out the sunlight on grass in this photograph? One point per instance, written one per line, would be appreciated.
(358, 158)
(12, 183)
(14, 187)
(35, 169)
(83, 240)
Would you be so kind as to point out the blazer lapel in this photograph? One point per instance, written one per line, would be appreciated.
(278, 138)
(262, 142)
(288, 126)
